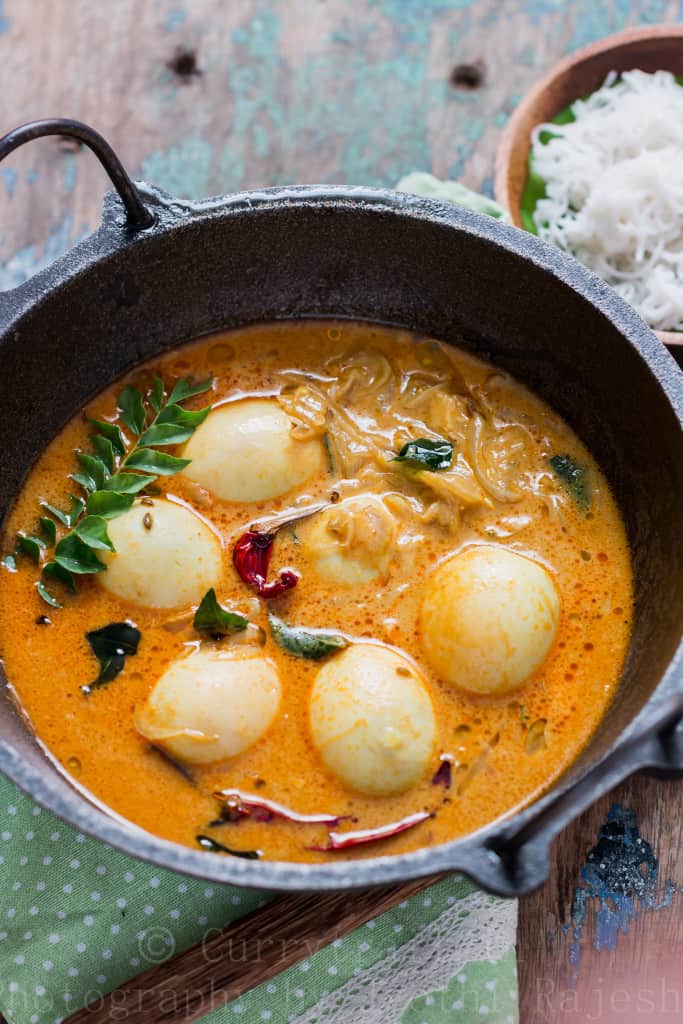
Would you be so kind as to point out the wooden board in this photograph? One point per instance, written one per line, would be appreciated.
(642, 976)
(208, 97)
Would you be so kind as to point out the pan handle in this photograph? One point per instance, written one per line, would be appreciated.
(519, 854)
(138, 217)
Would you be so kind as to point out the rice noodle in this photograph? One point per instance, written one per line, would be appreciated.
(614, 184)
(368, 406)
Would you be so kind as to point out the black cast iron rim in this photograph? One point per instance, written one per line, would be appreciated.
(654, 737)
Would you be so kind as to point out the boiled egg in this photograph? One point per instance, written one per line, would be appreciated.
(352, 542)
(489, 618)
(372, 720)
(245, 451)
(165, 557)
(212, 705)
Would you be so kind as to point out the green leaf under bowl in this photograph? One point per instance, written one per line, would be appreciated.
(534, 190)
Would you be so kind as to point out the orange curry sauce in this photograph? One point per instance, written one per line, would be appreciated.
(504, 751)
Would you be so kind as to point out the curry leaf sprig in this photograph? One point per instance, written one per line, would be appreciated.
(111, 476)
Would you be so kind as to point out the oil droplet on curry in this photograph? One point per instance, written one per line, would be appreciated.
(383, 599)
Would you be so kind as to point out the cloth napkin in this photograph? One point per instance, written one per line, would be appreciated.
(78, 919)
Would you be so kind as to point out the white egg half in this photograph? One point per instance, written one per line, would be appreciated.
(165, 557)
(372, 720)
(352, 542)
(211, 705)
(245, 451)
(489, 618)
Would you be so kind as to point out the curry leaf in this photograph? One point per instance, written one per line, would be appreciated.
(575, 477)
(213, 618)
(66, 518)
(148, 460)
(128, 483)
(76, 511)
(112, 433)
(424, 453)
(93, 531)
(75, 555)
(132, 409)
(183, 417)
(85, 481)
(305, 643)
(166, 433)
(207, 843)
(104, 450)
(49, 529)
(62, 517)
(46, 595)
(174, 425)
(109, 504)
(58, 572)
(31, 546)
(183, 389)
(156, 394)
(96, 472)
(111, 645)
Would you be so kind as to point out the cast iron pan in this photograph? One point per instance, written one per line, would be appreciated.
(160, 271)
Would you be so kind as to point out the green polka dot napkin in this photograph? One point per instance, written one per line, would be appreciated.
(78, 919)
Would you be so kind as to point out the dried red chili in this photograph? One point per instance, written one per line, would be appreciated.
(251, 558)
(345, 840)
(238, 805)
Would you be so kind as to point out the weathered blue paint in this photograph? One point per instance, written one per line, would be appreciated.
(619, 881)
(392, 125)
(183, 170)
(10, 178)
(341, 37)
(29, 260)
(70, 168)
(670, 890)
(4, 22)
(261, 140)
(526, 56)
(597, 20)
(537, 10)
(175, 18)
(260, 120)
(654, 13)
(417, 15)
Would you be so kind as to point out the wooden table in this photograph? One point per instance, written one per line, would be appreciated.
(211, 97)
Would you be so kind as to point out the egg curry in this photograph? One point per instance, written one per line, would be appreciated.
(311, 590)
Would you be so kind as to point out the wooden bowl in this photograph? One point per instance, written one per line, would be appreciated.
(655, 48)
